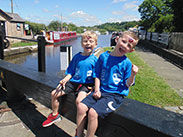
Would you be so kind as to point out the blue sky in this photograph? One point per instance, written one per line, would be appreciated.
(79, 12)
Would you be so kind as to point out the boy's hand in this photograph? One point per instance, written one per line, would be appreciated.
(135, 69)
(62, 83)
(97, 94)
(61, 86)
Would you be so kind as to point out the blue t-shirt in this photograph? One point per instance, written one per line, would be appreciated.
(81, 68)
(113, 73)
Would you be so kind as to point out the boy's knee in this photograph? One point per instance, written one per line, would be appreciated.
(53, 93)
(82, 108)
(77, 101)
(92, 113)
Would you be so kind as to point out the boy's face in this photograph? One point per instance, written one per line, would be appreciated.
(124, 45)
(88, 44)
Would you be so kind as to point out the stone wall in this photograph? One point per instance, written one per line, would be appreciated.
(175, 41)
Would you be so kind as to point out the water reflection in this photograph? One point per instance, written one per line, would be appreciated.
(30, 60)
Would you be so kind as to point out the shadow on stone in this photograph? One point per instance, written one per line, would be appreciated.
(33, 120)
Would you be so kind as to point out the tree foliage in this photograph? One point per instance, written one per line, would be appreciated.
(111, 27)
(155, 12)
(163, 24)
(177, 6)
(36, 27)
(54, 26)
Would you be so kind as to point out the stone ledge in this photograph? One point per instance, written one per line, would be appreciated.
(19, 50)
(133, 118)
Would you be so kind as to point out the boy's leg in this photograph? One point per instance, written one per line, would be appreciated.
(92, 122)
(54, 116)
(81, 118)
(84, 90)
(55, 102)
(108, 103)
(80, 97)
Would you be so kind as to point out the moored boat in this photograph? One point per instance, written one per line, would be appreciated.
(56, 37)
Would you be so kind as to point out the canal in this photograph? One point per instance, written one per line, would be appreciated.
(53, 61)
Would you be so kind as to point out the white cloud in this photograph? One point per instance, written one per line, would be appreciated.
(124, 17)
(36, 1)
(59, 17)
(79, 14)
(129, 18)
(113, 20)
(57, 6)
(132, 5)
(45, 10)
(117, 1)
(118, 12)
(84, 18)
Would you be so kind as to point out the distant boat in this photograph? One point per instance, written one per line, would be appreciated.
(56, 37)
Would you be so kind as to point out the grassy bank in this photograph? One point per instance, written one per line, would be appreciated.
(22, 44)
(149, 87)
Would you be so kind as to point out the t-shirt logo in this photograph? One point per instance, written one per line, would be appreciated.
(103, 75)
(116, 78)
(89, 73)
(110, 106)
(77, 72)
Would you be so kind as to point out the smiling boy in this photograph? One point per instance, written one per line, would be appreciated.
(79, 76)
(114, 75)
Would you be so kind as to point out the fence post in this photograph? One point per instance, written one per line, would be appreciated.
(1, 46)
(65, 56)
(146, 35)
(41, 53)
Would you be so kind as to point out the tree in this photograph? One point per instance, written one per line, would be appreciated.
(54, 26)
(177, 6)
(152, 10)
(72, 27)
(163, 24)
(36, 27)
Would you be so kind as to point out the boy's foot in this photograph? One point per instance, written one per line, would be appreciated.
(51, 119)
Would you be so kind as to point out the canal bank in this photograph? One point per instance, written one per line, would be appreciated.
(20, 50)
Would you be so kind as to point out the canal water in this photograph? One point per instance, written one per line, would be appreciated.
(53, 61)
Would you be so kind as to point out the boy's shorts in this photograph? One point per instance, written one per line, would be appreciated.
(76, 87)
(108, 103)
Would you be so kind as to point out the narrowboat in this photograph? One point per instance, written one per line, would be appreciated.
(57, 37)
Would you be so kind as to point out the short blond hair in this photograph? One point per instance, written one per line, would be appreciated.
(91, 34)
(130, 33)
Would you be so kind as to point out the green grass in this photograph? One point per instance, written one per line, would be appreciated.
(149, 87)
(22, 44)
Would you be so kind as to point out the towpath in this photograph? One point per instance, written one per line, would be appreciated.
(171, 73)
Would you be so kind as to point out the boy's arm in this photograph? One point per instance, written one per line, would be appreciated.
(65, 79)
(131, 79)
(97, 93)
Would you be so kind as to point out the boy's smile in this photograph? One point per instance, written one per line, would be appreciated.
(88, 45)
(124, 45)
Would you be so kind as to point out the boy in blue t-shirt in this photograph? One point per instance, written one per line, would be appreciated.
(79, 76)
(114, 75)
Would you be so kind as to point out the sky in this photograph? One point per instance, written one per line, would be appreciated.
(78, 12)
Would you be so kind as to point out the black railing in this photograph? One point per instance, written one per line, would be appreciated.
(41, 49)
